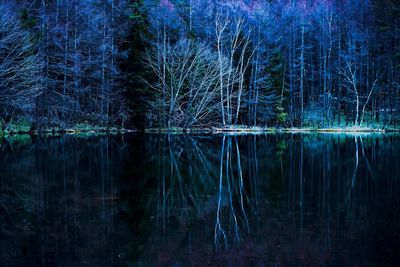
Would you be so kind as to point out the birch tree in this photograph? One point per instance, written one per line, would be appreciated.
(192, 77)
(233, 40)
(353, 85)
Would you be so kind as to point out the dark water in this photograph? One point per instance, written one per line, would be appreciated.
(149, 200)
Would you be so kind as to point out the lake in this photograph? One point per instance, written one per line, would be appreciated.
(159, 200)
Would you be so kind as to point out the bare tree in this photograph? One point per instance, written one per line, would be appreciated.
(233, 39)
(191, 83)
(221, 24)
(20, 67)
(349, 73)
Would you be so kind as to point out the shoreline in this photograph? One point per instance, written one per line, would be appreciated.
(261, 130)
(68, 132)
(206, 131)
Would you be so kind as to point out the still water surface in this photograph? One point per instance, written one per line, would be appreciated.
(157, 200)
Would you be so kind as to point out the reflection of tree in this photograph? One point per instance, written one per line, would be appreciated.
(191, 188)
(352, 181)
(58, 200)
(171, 200)
(235, 190)
(186, 175)
(303, 170)
(285, 204)
(218, 228)
(353, 177)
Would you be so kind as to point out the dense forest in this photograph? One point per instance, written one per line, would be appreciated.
(199, 63)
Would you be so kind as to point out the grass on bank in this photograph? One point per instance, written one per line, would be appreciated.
(25, 127)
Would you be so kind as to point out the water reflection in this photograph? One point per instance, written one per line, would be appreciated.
(234, 191)
(58, 200)
(268, 200)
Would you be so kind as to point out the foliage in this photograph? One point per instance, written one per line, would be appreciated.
(281, 115)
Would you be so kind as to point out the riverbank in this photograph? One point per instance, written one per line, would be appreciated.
(234, 130)
(261, 130)
(78, 129)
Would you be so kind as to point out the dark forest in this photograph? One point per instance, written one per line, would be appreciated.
(181, 64)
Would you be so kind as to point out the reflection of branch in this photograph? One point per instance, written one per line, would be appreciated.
(366, 159)
(236, 192)
(228, 162)
(186, 175)
(218, 228)
(187, 170)
(204, 162)
(353, 179)
(241, 185)
(255, 169)
(174, 165)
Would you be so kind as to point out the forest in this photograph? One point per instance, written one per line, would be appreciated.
(167, 64)
(199, 132)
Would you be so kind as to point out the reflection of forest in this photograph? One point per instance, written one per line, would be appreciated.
(271, 199)
(58, 200)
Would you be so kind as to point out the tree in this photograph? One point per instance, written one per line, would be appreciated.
(190, 83)
(79, 43)
(233, 40)
(20, 67)
(352, 84)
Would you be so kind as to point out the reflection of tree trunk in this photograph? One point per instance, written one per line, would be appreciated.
(255, 175)
(228, 178)
(218, 228)
(241, 185)
(163, 185)
(65, 196)
(353, 178)
(301, 187)
(185, 171)
(366, 159)
(235, 191)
